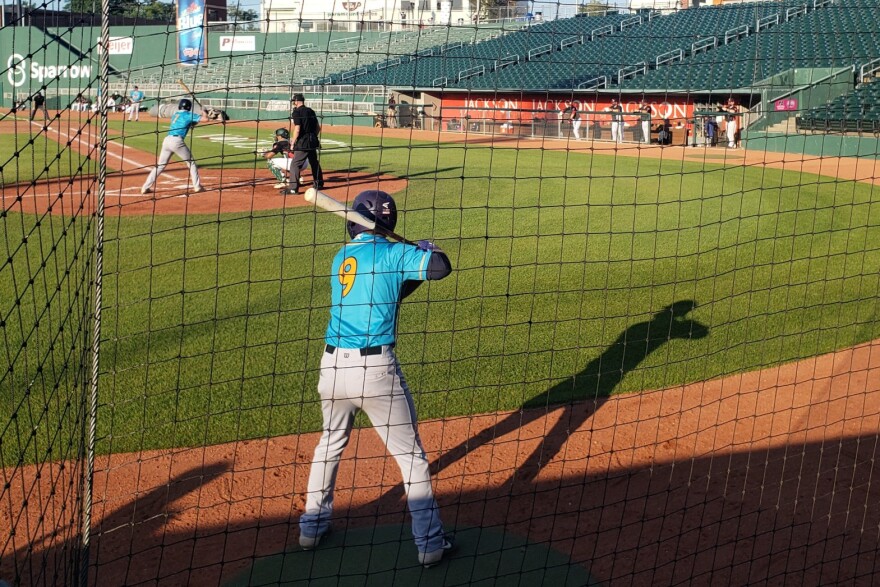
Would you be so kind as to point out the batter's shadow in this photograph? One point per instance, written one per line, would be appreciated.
(581, 395)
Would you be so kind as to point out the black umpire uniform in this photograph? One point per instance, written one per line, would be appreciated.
(306, 129)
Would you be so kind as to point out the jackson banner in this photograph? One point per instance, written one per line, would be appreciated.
(191, 35)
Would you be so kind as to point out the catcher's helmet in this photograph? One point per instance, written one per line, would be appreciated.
(283, 133)
(377, 206)
(185, 104)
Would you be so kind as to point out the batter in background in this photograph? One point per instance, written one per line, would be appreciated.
(174, 143)
(360, 371)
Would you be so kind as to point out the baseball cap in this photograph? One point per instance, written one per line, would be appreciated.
(298, 98)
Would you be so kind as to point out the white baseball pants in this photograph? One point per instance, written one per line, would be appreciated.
(177, 146)
(350, 382)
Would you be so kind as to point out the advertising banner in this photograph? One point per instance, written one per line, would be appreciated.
(522, 107)
(191, 35)
(785, 105)
(118, 45)
(236, 43)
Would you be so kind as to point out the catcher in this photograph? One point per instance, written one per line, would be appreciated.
(280, 166)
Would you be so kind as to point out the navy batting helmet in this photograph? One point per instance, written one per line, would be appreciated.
(283, 133)
(377, 206)
(184, 104)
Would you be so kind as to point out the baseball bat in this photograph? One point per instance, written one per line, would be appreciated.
(325, 202)
(190, 92)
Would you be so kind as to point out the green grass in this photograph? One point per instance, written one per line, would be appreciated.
(29, 156)
(566, 266)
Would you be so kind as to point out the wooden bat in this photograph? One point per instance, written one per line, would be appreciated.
(191, 93)
(325, 202)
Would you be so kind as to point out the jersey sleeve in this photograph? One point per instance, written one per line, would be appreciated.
(413, 262)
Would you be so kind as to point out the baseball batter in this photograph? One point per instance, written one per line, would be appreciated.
(359, 371)
(174, 143)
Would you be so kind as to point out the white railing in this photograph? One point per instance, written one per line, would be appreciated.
(766, 22)
(670, 57)
(594, 83)
(630, 22)
(568, 42)
(505, 61)
(631, 71)
(354, 73)
(539, 51)
(704, 45)
(735, 33)
(386, 64)
(439, 81)
(869, 69)
(478, 70)
(790, 13)
(602, 31)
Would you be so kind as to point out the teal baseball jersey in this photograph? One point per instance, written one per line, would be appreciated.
(366, 279)
(181, 123)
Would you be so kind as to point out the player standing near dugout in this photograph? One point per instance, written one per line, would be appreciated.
(359, 371)
(306, 129)
(174, 143)
(645, 111)
(732, 109)
(134, 109)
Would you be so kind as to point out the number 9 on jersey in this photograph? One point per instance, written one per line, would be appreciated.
(347, 274)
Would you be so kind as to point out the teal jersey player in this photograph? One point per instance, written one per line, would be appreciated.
(181, 122)
(174, 144)
(368, 276)
(360, 371)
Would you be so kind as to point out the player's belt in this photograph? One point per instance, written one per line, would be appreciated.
(370, 350)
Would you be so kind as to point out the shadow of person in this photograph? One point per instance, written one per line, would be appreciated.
(590, 388)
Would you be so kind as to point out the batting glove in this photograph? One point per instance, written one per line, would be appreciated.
(427, 246)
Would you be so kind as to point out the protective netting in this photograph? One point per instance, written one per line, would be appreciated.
(655, 359)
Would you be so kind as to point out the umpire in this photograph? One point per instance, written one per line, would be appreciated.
(306, 129)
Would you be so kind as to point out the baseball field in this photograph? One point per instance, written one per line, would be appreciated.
(605, 302)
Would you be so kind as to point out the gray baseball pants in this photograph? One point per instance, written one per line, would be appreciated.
(350, 382)
(174, 146)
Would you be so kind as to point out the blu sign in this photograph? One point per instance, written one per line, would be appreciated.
(191, 34)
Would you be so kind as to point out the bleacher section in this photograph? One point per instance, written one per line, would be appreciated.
(627, 51)
(430, 69)
(310, 63)
(836, 35)
(558, 56)
(856, 111)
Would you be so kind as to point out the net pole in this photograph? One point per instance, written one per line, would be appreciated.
(104, 84)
